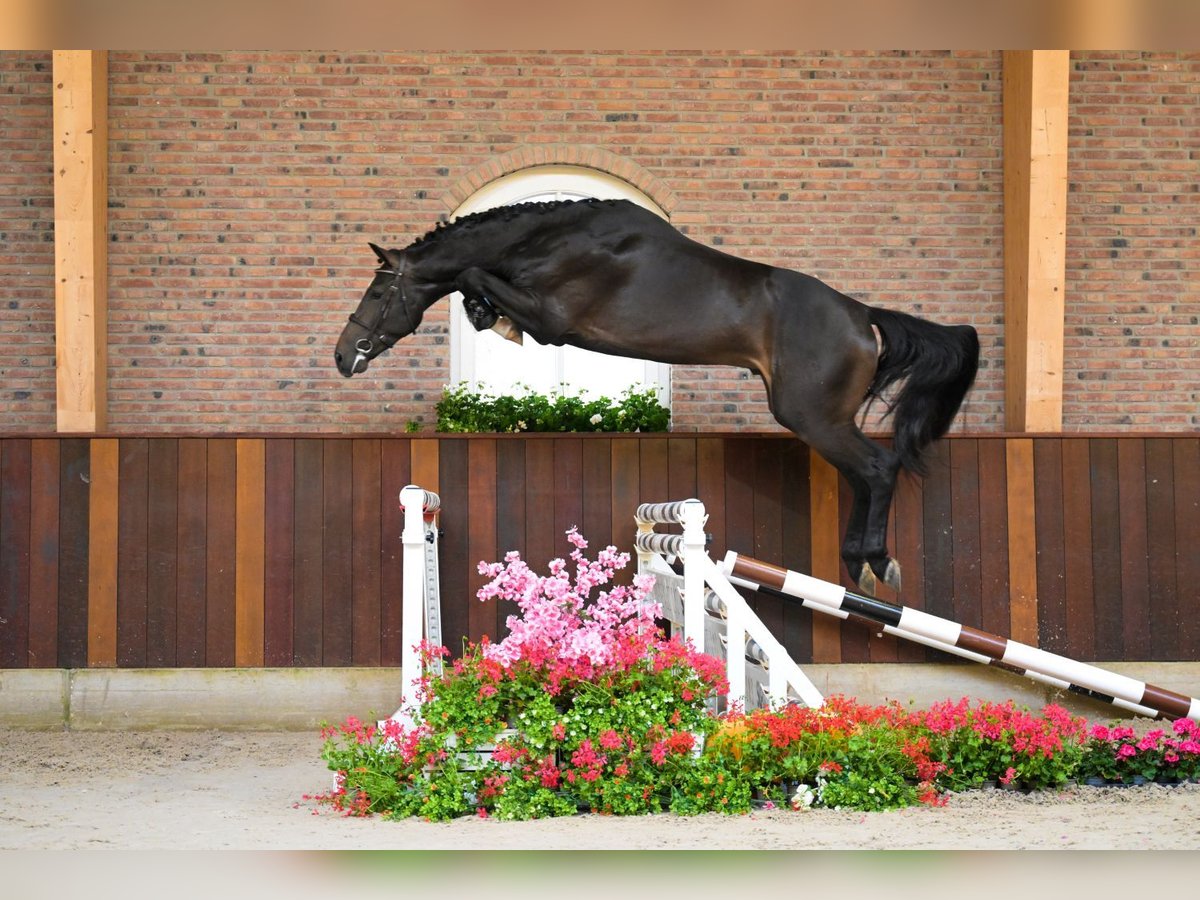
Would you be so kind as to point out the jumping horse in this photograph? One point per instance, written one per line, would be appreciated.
(609, 276)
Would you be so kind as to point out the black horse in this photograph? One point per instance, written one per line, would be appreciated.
(607, 275)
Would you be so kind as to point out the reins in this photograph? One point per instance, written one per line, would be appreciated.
(364, 346)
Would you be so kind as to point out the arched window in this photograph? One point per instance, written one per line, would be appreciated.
(487, 360)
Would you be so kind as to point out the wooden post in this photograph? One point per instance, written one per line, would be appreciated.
(1035, 227)
(80, 237)
(826, 552)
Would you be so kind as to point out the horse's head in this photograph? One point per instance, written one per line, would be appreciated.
(389, 310)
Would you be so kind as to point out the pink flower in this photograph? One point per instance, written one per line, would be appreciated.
(1125, 751)
(1009, 774)
(658, 753)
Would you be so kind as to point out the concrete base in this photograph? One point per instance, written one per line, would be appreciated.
(301, 699)
(229, 699)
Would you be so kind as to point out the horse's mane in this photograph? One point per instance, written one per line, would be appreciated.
(498, 214)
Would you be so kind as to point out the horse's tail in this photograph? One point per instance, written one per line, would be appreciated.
(937, 364)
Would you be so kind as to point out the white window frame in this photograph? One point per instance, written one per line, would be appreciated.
(542, 183)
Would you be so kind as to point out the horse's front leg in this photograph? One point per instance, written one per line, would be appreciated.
(490, 302)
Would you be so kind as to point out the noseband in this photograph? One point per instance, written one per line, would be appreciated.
(364, 346)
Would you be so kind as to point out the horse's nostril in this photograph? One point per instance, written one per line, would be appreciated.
(337, 355)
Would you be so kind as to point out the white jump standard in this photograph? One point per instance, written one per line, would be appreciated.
(421, 604)
(713, 612)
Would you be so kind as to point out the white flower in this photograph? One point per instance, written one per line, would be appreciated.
(804, 797)
(596, 419)
(521, 426)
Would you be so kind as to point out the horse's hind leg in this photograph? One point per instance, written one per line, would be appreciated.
(871, 472)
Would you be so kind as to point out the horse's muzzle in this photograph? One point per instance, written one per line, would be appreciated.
(348, 366)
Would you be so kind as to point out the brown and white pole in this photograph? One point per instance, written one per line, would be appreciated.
(962, 640)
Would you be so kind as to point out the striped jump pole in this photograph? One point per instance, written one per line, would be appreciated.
(962, 640)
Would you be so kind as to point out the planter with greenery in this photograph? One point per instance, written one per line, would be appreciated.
(466, 409)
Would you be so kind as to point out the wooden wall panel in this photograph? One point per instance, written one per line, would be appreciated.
(279, 552)
(796, 538)
(395, 474)
(938, 506)
(908, 515)
(856, 639)
(15, 514)
(966, 539)
(250, 561)
(993, 537)
(710, 489)
(1022, 540)
(826, 558)
(337, 548)
(1079, 619)
(162, 551)
(568, 496)
(1164, 616)
(190, 551)
(220, 554)
(1106, 548)
(482, 545)
(133, 556)
(626, 491)
(1186, 469)
(453, 550)
(309, 561)
(1135, 552)
(44, 551)
(1051, 554)
(102, 552)
(192, 541)
(366, 514)
(768, 523)
(597, 522)
(74, 535)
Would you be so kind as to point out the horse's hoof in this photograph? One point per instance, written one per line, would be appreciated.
(507, 329)
(889, 573)
(480, 312)
(866, 581)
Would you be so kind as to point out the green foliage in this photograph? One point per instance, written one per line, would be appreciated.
(463, 409)
(586, 705)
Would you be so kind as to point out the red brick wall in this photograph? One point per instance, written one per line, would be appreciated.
(1132, 343)
(244, 186)
(26, 243)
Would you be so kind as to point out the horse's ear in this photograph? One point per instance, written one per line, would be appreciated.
(381, 253)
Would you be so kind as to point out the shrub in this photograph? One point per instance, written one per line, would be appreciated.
(464, 409)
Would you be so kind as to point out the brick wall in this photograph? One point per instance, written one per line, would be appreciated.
(26, 243)
(1132, 343)
(244, 186)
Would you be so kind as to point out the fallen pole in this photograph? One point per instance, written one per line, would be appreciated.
(962, 640)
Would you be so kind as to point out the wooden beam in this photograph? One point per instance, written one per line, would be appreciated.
(1022, 544)
(1035, 228)
(80, 237)
(826, 552)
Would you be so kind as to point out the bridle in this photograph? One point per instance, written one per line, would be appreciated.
(364, 346)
